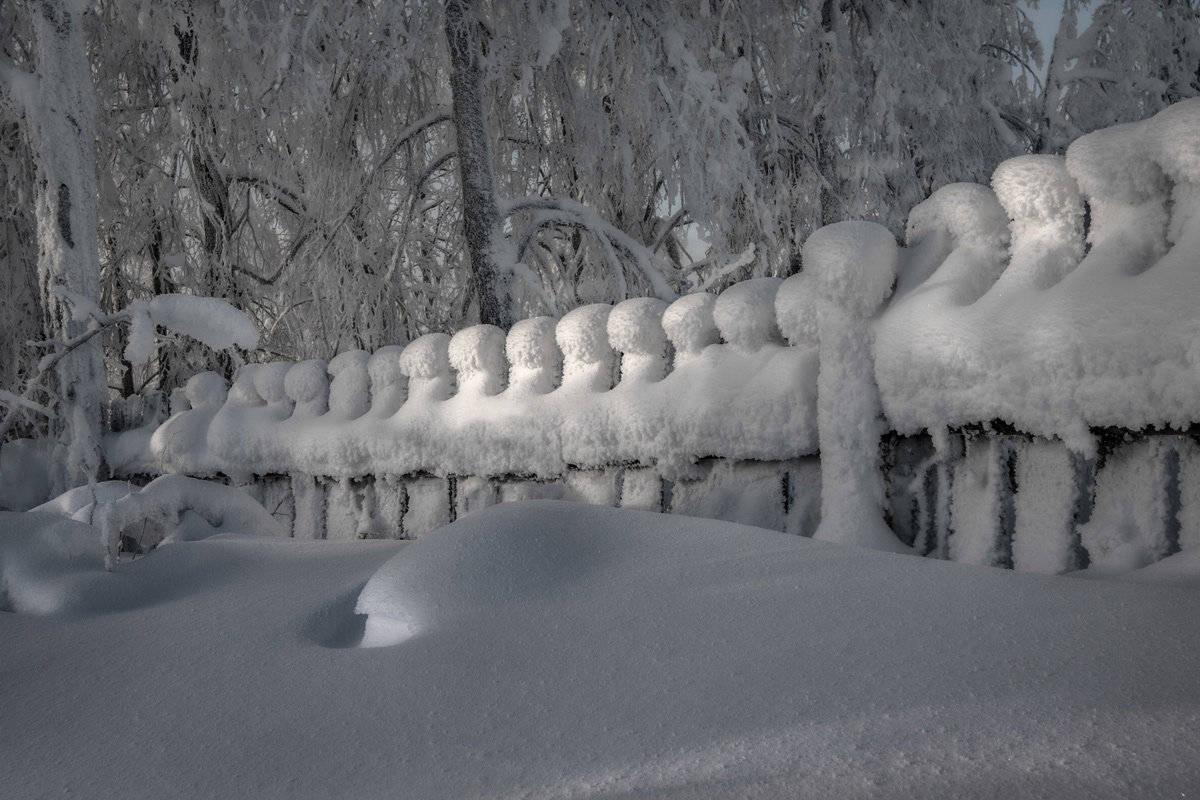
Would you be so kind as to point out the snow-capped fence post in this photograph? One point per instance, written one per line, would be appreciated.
(307, 384)
(533, 357)
(853, 266)
(389, 387)
(689, 325)
(635, 330)
(426, 364)
(588, 358)
(476, 354)
(349, 387)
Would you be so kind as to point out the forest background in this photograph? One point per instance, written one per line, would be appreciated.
(357, 174)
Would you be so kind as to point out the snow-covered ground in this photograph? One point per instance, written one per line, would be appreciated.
(547, 649)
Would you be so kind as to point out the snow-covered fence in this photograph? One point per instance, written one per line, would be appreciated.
(699, 406)
(1025, 364)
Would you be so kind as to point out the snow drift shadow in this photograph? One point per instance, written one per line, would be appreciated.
(337, 626)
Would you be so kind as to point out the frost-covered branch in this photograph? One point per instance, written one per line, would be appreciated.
(608, 234)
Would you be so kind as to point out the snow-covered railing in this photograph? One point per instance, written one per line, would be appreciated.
(614, 404)
(996, 347)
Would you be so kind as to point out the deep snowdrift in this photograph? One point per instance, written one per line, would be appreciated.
(561, 650)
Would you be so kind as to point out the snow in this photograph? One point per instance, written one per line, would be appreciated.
(1047, 337)
(210, 320)
(545, 649)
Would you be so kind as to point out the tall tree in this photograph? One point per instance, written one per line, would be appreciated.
(58, 99)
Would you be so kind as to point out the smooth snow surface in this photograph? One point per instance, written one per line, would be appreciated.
(560, 650)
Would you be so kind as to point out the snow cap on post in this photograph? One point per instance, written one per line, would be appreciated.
(968, 212)
(1037, 190)
(796, 309)
(269, 381)
(1176, 145)
(635, 329)
(307, 383)
(426, 362)
(388, 384)
(206, 390)
(243, 392)
(745, 313)
(477, 355)
(1114, 163)
(582, 336)
(689, 324)
(852, 264)
(349, 391)
(533, 355)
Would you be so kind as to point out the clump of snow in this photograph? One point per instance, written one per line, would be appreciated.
(853, 264)
(426, 363)
(207, 319)
(635, 329)
(389, 386)
(796, 310)
(307, 384)
(270, 381)
(185, 509)
(244, 392)
(688, 323)
(533, 356)
(745, 314)
(350, 389)
(968, 212)
(588, 358)
(1173, 136)
(1046, 209)
(206, 390)
(139, 347)
(477, 355)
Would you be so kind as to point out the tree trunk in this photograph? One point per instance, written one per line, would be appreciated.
(481, 217)
(61, 129)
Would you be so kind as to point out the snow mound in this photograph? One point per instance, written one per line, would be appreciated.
(542, 552)
(40, 554)
(477, 355)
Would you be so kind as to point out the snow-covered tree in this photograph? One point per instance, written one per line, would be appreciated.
(57, 99)
(1132, 60)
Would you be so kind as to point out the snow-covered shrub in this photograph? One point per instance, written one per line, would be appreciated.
(688, 323)
(588, 358)
(533, 356)
(477, 355)
(635, 330)
(745, 314)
